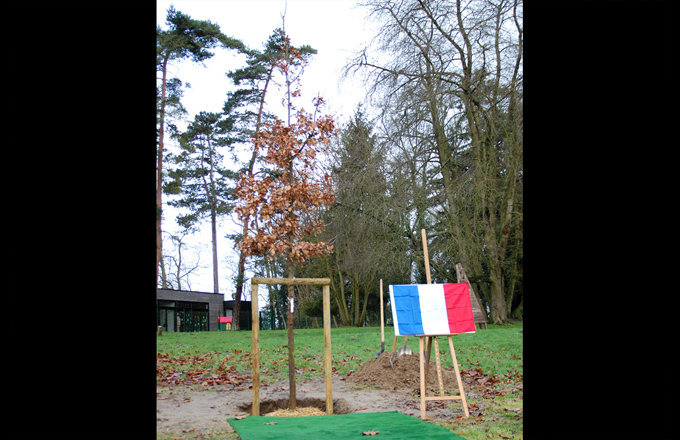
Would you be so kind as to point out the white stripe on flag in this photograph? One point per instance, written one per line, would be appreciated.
(433, 309)
(394, 312)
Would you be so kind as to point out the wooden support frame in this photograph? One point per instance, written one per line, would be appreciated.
(424, 367)
(325, 283)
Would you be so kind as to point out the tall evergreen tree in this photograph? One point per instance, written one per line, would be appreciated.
(358, 218)
(185, 39)
(205, 184)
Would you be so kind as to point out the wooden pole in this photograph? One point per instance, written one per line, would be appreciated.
(293, 281)
(422, 378)
(427, 259)
(327, 347)
(382, 317)
(292, 401)
(256, 349)
(428, 340)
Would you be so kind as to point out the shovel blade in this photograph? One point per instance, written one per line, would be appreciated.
(404, 351)
(378, 353)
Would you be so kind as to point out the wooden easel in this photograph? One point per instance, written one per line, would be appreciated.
(425, 363)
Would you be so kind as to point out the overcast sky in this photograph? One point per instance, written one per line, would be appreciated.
(334, 27)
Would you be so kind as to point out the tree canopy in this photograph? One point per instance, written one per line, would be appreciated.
(437, 145)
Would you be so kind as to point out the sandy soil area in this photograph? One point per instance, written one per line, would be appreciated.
(375, 387)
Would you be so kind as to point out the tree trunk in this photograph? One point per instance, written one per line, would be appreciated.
(164, 279)
(216, 282)
(341, 299)
(240, 278)
(179, 266)
(159, 175)
(362, 319)
(499, 313)
(517, 313)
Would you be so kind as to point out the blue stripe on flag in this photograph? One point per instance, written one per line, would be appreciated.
(407, 305)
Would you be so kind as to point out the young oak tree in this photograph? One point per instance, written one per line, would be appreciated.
(281, 206)
(246, 123)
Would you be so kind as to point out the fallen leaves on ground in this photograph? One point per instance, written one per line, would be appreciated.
(370, 433)
(197, 369)
(489, 387)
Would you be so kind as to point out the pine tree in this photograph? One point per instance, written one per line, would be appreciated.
(206, 186)
(189, 39)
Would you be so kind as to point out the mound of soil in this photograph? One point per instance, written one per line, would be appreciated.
(405, 376)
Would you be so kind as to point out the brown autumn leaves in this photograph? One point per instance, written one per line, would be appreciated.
(281, 206)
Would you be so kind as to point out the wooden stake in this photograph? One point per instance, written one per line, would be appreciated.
(256, 349)
(292, 400)
(327, 347)
(422, 378)
(382, 317)
(428, 340)
(427, 260)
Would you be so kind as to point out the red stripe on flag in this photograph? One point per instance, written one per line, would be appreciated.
(458, 308)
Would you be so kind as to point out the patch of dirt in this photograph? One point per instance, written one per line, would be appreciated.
(374, 387)
(405, 376)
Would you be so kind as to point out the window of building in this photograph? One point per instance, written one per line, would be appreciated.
(183, 316)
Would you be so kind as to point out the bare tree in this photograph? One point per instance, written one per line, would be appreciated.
(182, 262)
(450, 79)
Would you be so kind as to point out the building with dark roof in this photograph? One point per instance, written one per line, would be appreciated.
(189, 311)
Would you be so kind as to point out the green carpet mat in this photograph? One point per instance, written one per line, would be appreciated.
(392, 425)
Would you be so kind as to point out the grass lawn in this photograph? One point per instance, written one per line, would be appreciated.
(495, 352)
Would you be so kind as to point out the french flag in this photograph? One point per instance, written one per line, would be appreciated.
(431, 309)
